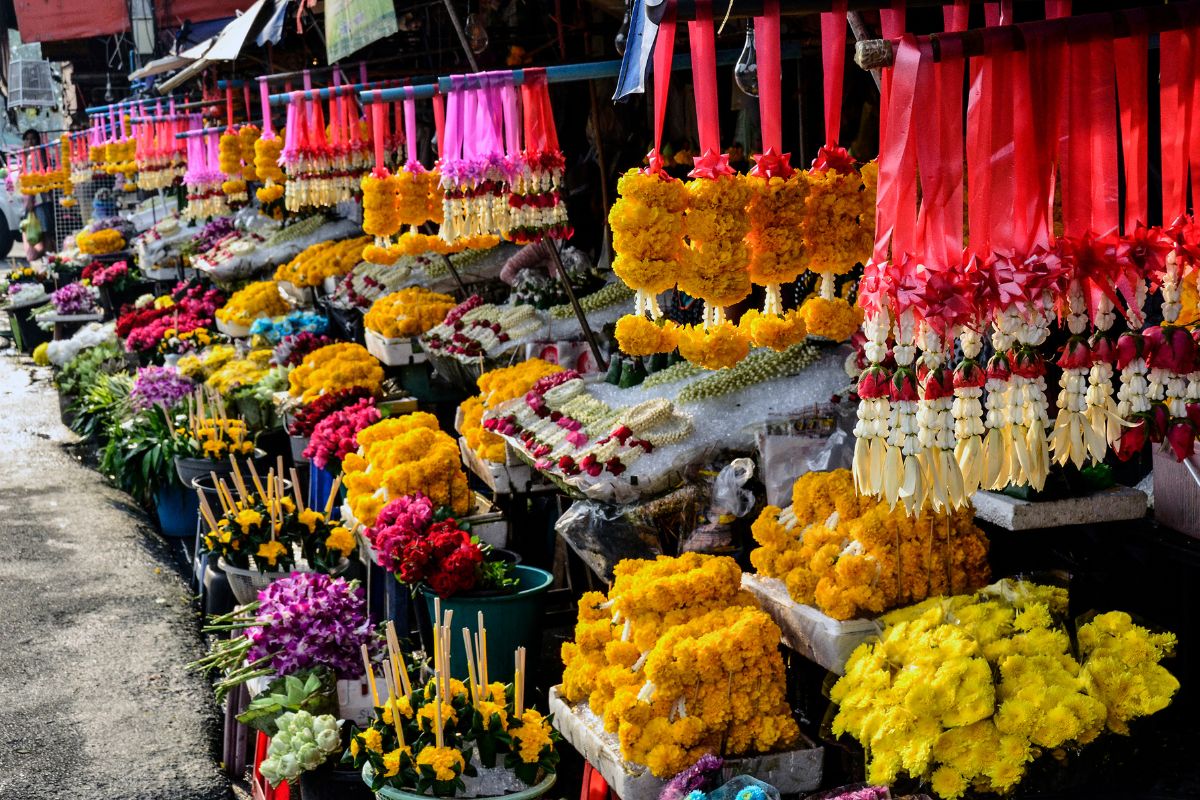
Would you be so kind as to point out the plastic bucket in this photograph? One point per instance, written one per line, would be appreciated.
(512, 621)
(189, 469)
(177, 508)
(320, 484)
(247, 583)
(535, 791)
(327, 783)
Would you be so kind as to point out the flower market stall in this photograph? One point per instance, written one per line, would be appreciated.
(820, 479)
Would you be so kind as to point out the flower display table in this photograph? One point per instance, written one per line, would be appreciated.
(791, 772)
(814, 635)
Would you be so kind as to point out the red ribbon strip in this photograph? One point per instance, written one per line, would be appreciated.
(1132, 75)
(664, 53)
(770, 75)
(833, 58)
(711, 163)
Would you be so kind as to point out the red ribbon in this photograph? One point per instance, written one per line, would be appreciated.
(378, 113)
(770, 74)
(664, 52)
(711, 163)
(896, 195)
(833, 58)
(1175, 103)
(1130, 56)
(541, 134)
(439, 120)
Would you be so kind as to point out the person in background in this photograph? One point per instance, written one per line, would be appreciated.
(39, 208)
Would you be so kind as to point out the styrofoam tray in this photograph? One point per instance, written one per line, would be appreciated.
(394, 352)
(510, 478)
(814, 635)
(791, 772)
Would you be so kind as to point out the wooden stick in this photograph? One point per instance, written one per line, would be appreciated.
(519, 688)
(483, 655)
(391, 694)
(474, 690)
(437, 704)
(237, 477)
(217, 486)
(296, 490)
(254, 477)
(394, 643)
(206, 510)
(333, 490)
(366, 657)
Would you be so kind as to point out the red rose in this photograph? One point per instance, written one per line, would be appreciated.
(1075, 354)
(1132, 440)
(1181, 436)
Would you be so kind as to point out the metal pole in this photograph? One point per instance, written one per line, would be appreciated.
(462, 287)
(579, 315)
(601, 162)
(462, 36)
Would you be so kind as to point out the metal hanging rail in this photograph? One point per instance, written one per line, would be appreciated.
(567, 73)
(282, 98)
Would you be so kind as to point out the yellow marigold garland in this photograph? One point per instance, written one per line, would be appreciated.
(335, 367)
(266, 165)
(639, 336)
(831, 317)
(247, 136)
(647, 222)
(315, 263)
(776, 331)
(408, 312)
(259, 299)
(714, 347)
(849, 555)
(656, 661)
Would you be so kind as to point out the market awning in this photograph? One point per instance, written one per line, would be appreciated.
(160, 65)
(62, 20)
(225, 46)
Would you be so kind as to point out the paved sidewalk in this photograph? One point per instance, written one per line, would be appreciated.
(95, 628)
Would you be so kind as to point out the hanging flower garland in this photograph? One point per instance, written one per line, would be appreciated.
(536, 208)
(715, 265)
(777, 203)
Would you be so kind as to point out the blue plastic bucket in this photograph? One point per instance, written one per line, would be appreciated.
(177, 510)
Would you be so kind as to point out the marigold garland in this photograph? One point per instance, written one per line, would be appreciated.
(777, 212)
(849, 554)
(716, 347)
(311, 266)
(831, 317)
(408, 312)
(647, 225)
(333, 368)
(247, 137)
(778, 332)
(259, 299)
(639, 336)
(660, 659)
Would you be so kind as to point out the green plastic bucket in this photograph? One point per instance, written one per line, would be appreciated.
(512, 621)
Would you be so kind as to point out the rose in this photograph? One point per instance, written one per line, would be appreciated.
(1181, 436)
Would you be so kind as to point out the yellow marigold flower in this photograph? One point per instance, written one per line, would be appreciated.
(341, 540)
(271, 551)
(393, 760)
(446, 762)
(833, 319)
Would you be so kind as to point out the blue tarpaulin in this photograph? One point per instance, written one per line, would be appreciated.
(639, 48)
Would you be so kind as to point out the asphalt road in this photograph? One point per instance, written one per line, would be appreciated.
(95, 628)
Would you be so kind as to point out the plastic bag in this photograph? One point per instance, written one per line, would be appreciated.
(601, 535)
(729, 501)
(753, 789)
(818, 440)
(31, 228)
